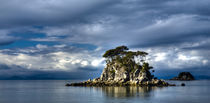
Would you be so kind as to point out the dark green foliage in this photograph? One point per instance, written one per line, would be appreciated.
(114, 52)
(126, 58)
(136, 66)
(142, 53)
(122, 48)
(112, 71)
(146, 67)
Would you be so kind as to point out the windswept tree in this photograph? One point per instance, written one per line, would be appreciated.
(114, 53)
(130, 59)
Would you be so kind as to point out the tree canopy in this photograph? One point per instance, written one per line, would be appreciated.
(129, 59)
(114, 52)
(122, 51)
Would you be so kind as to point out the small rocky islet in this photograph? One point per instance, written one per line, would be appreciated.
(125, 68)
(184, 76)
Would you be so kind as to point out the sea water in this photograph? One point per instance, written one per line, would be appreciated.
(55, 91)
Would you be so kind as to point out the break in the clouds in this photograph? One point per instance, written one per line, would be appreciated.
(69, 36)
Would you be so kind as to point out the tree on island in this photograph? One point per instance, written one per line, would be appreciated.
(129, 59)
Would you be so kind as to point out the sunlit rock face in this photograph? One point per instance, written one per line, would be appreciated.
(116, 72)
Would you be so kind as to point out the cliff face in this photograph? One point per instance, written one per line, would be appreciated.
(116, 72)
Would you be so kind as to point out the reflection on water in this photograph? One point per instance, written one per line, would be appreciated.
(133, 91)
(55, 91)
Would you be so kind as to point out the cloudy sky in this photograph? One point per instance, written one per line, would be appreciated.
(64, 39)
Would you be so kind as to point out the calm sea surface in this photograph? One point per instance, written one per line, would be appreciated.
(54, 91)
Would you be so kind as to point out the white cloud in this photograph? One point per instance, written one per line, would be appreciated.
(97, 62)
(160, 56)
(84, 63)
(175, 58)
(58, 60)
(205, 62)
(60, 46)
(188, 58)
(39, 46)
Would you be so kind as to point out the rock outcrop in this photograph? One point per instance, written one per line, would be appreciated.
(122, 69)
(116, 72)
(116, 75)
(184, 76)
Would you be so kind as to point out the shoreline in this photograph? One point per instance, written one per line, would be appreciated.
(158, 83)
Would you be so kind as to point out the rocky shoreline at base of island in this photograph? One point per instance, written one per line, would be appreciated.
(98, 83)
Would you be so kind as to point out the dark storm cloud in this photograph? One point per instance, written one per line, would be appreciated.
(197, 72)
(46, 13)
(202, 46)
(6, 40)
(148, 23)
(17, 72)
(3, 42)
(124, 17)
(45, 50)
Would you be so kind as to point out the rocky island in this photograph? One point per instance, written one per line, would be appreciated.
(125, 68)
(184, 76)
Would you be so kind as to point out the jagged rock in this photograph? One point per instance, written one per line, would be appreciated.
(116, 75)
(182, 84)
(117, 72)
(156, 81)
(184, 76)
(89, 80)
(96, 79)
